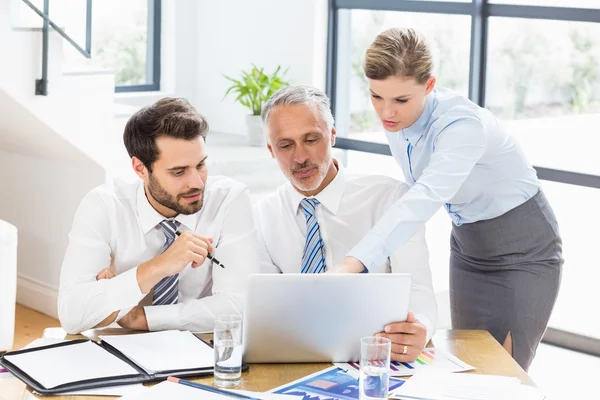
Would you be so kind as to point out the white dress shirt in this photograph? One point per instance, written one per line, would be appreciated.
(115, 226)
(456, 155)
(349, 207)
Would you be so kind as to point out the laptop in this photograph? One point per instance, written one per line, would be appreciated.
(293, 318)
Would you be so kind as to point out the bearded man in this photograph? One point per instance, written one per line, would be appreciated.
(144, 254)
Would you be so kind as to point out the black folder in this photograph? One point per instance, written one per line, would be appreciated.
(140, 377)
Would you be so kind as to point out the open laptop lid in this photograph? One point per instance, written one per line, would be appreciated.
(319, 317)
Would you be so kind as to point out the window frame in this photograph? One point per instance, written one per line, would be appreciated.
(480, 12)
(153, 52)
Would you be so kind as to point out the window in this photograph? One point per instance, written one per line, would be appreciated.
(537, 69)
(125, 39)
(545, 85)
(457, 1)
(449, 37)
(577, 212)
(552, 3)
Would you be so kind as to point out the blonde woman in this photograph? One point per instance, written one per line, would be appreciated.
(506, 251)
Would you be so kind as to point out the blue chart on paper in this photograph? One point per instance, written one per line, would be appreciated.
(331, 384)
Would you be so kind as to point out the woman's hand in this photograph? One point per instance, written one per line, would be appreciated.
(349, 265)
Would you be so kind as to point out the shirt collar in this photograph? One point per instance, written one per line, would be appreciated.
(149, 217)
(416, 131)
(330, 197)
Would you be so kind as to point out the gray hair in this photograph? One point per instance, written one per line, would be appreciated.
(297, 95)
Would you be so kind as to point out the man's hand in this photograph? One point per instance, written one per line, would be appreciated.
(348, 265)
(106, 273)
(135, 319)
(408, 338)
(188, 248)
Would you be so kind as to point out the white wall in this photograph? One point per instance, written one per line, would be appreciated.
(42, 205)
(183, 26)
(232, 34)
(204, 39)
(53, 149)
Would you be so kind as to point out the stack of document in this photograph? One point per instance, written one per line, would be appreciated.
(163, 351)
(80, 365)
(437, 385)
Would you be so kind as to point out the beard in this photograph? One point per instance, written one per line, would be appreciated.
(314, 181)
(165, 199)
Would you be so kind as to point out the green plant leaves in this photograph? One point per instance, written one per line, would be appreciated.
(255, 87)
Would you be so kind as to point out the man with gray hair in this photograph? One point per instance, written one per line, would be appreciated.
(310, 223)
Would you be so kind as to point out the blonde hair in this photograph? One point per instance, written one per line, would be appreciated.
(399, 52)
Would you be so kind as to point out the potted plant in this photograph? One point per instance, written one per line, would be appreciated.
(253, 89)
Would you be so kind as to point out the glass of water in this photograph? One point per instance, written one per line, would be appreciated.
(228, 350)
(374, 368)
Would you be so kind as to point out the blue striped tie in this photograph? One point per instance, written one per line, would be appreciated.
(313, 256)
(167, 290)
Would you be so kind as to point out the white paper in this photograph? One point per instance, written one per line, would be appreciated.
(123, 390)
(171, 390)
(530, 393)
(266, 396)
(164, 351)
(42, 342)
(59, 365)
(436, 385)
(36, 343)
(431, 359)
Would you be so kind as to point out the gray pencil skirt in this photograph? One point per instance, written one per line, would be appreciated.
(505, 274)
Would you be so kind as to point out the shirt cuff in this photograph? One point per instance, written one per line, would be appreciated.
(369, 251)
(161, 318)
(123, 291)
(422, 318)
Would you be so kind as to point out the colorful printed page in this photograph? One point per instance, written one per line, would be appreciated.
(429, 359)
(332, 383)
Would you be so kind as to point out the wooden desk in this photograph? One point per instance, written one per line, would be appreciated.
(477, 348)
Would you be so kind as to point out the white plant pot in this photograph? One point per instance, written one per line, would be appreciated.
(256, 137)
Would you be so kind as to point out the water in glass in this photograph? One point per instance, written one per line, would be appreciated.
(374, 382)
(228, 351)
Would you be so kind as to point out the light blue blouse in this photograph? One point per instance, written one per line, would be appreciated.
(456, 155)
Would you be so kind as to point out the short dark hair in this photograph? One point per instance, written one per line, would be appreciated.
(172, 117)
